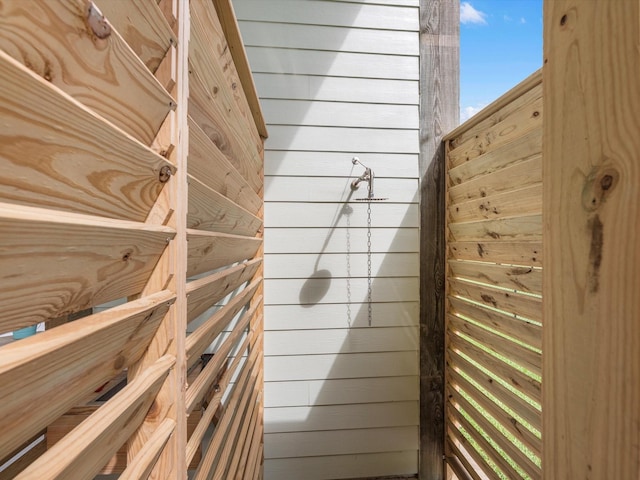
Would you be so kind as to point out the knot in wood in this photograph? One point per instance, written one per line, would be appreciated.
(98, 24)
(165, 174)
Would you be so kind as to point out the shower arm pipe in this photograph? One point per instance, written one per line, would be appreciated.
(367, 176)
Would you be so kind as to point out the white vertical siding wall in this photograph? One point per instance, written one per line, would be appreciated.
(338, 79)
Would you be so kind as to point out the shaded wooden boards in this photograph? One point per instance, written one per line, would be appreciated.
(494, 286)
(592, 206)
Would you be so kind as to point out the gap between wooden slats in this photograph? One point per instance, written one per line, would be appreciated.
(211, 211)
(143, 26)
(203, 293)
(519, 149)
(520, 253)
(34, 448)
(70, 262)
(522, 279)
(69, 166)
(240, 456)
(517, 202)
(102, 345)
(208, 251)
(454, 444)
(209, 165)
(82, 452)
(103, 74)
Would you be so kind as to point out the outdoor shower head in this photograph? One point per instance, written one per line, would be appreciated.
(368, 177)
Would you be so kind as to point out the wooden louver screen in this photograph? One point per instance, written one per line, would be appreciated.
(494, 288)
(131, 175)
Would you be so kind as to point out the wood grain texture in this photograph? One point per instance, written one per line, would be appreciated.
(592, 205)
(526, 227)
(79, 356)
(525, 252)
(208, 251)
(521, 201)
(213, 212)
(522, 279)
(142, 465)
(55, 41)
(209, 165)
(70, 262)
(82, 452)
(143, 26)
(68, 166)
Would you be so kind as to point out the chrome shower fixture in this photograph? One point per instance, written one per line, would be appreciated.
(368, 177)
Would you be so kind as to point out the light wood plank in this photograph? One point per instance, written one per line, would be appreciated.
(332, 64)
(526, 227)
(526, 332)
(66, 52)
(522, 279)
(525, 253)
(89, 351)
(82, 452)
(455, 446)
(211, 211)
(205, 292)
(336, 366)
(312, 342)
(521, 175)
(209, 165)
(143, 26)
(527, 306)
(143, 463)
(518, 150)
(70, 262)
(336, 89)
(231, 29)
(522, 201)
(240, 455)
(34, 452)
(256, 453)
(202, 337)
(68, 166)
(592, 235)
(208, 251)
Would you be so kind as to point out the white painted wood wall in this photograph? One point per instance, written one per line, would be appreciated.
(338, 79)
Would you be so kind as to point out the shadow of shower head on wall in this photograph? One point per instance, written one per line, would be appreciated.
(368, 176)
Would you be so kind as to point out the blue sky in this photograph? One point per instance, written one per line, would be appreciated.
(500, 45)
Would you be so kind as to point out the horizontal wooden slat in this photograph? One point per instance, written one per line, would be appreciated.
(517, 354)
(102, 73)
(516, 119)
(509, 423)
(209, 165)
(526, 306)
(81, 454)
(250, 462)
(341, 391)
(243, 446)
(337, 89)
(211, 211)
(53, 265)
(200, 339)
(525, 252)
(528, 227)
(392, 314)
(64, 364)
(524, 279)
(524, 463)
(521, 330)
(455, 445)
(521, 175)
(342, 442)
(37, 448)
(524, 409)
(316, 290)
(523, 201)
(142, 464)
(68, 166)
(338, 417)
(360, 340)
(143, 26)
(490, 454)
(199, 387)
(354, 365)
(314, 240)
(511, 375)
(205, 292)
(518, 150)
(208, 251)
(333, 64)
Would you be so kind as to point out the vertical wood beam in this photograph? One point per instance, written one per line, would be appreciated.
(439, 113)
(591, 171)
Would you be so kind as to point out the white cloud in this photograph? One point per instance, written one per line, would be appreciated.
(468, 14)
(467, 112)
(522, 20)
(507, 18)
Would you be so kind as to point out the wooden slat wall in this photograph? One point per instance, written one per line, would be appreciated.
(131, 164)
(337, 80)
(494, 287)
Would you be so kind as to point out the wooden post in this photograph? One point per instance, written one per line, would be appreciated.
(591, 171)
(439, 113)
